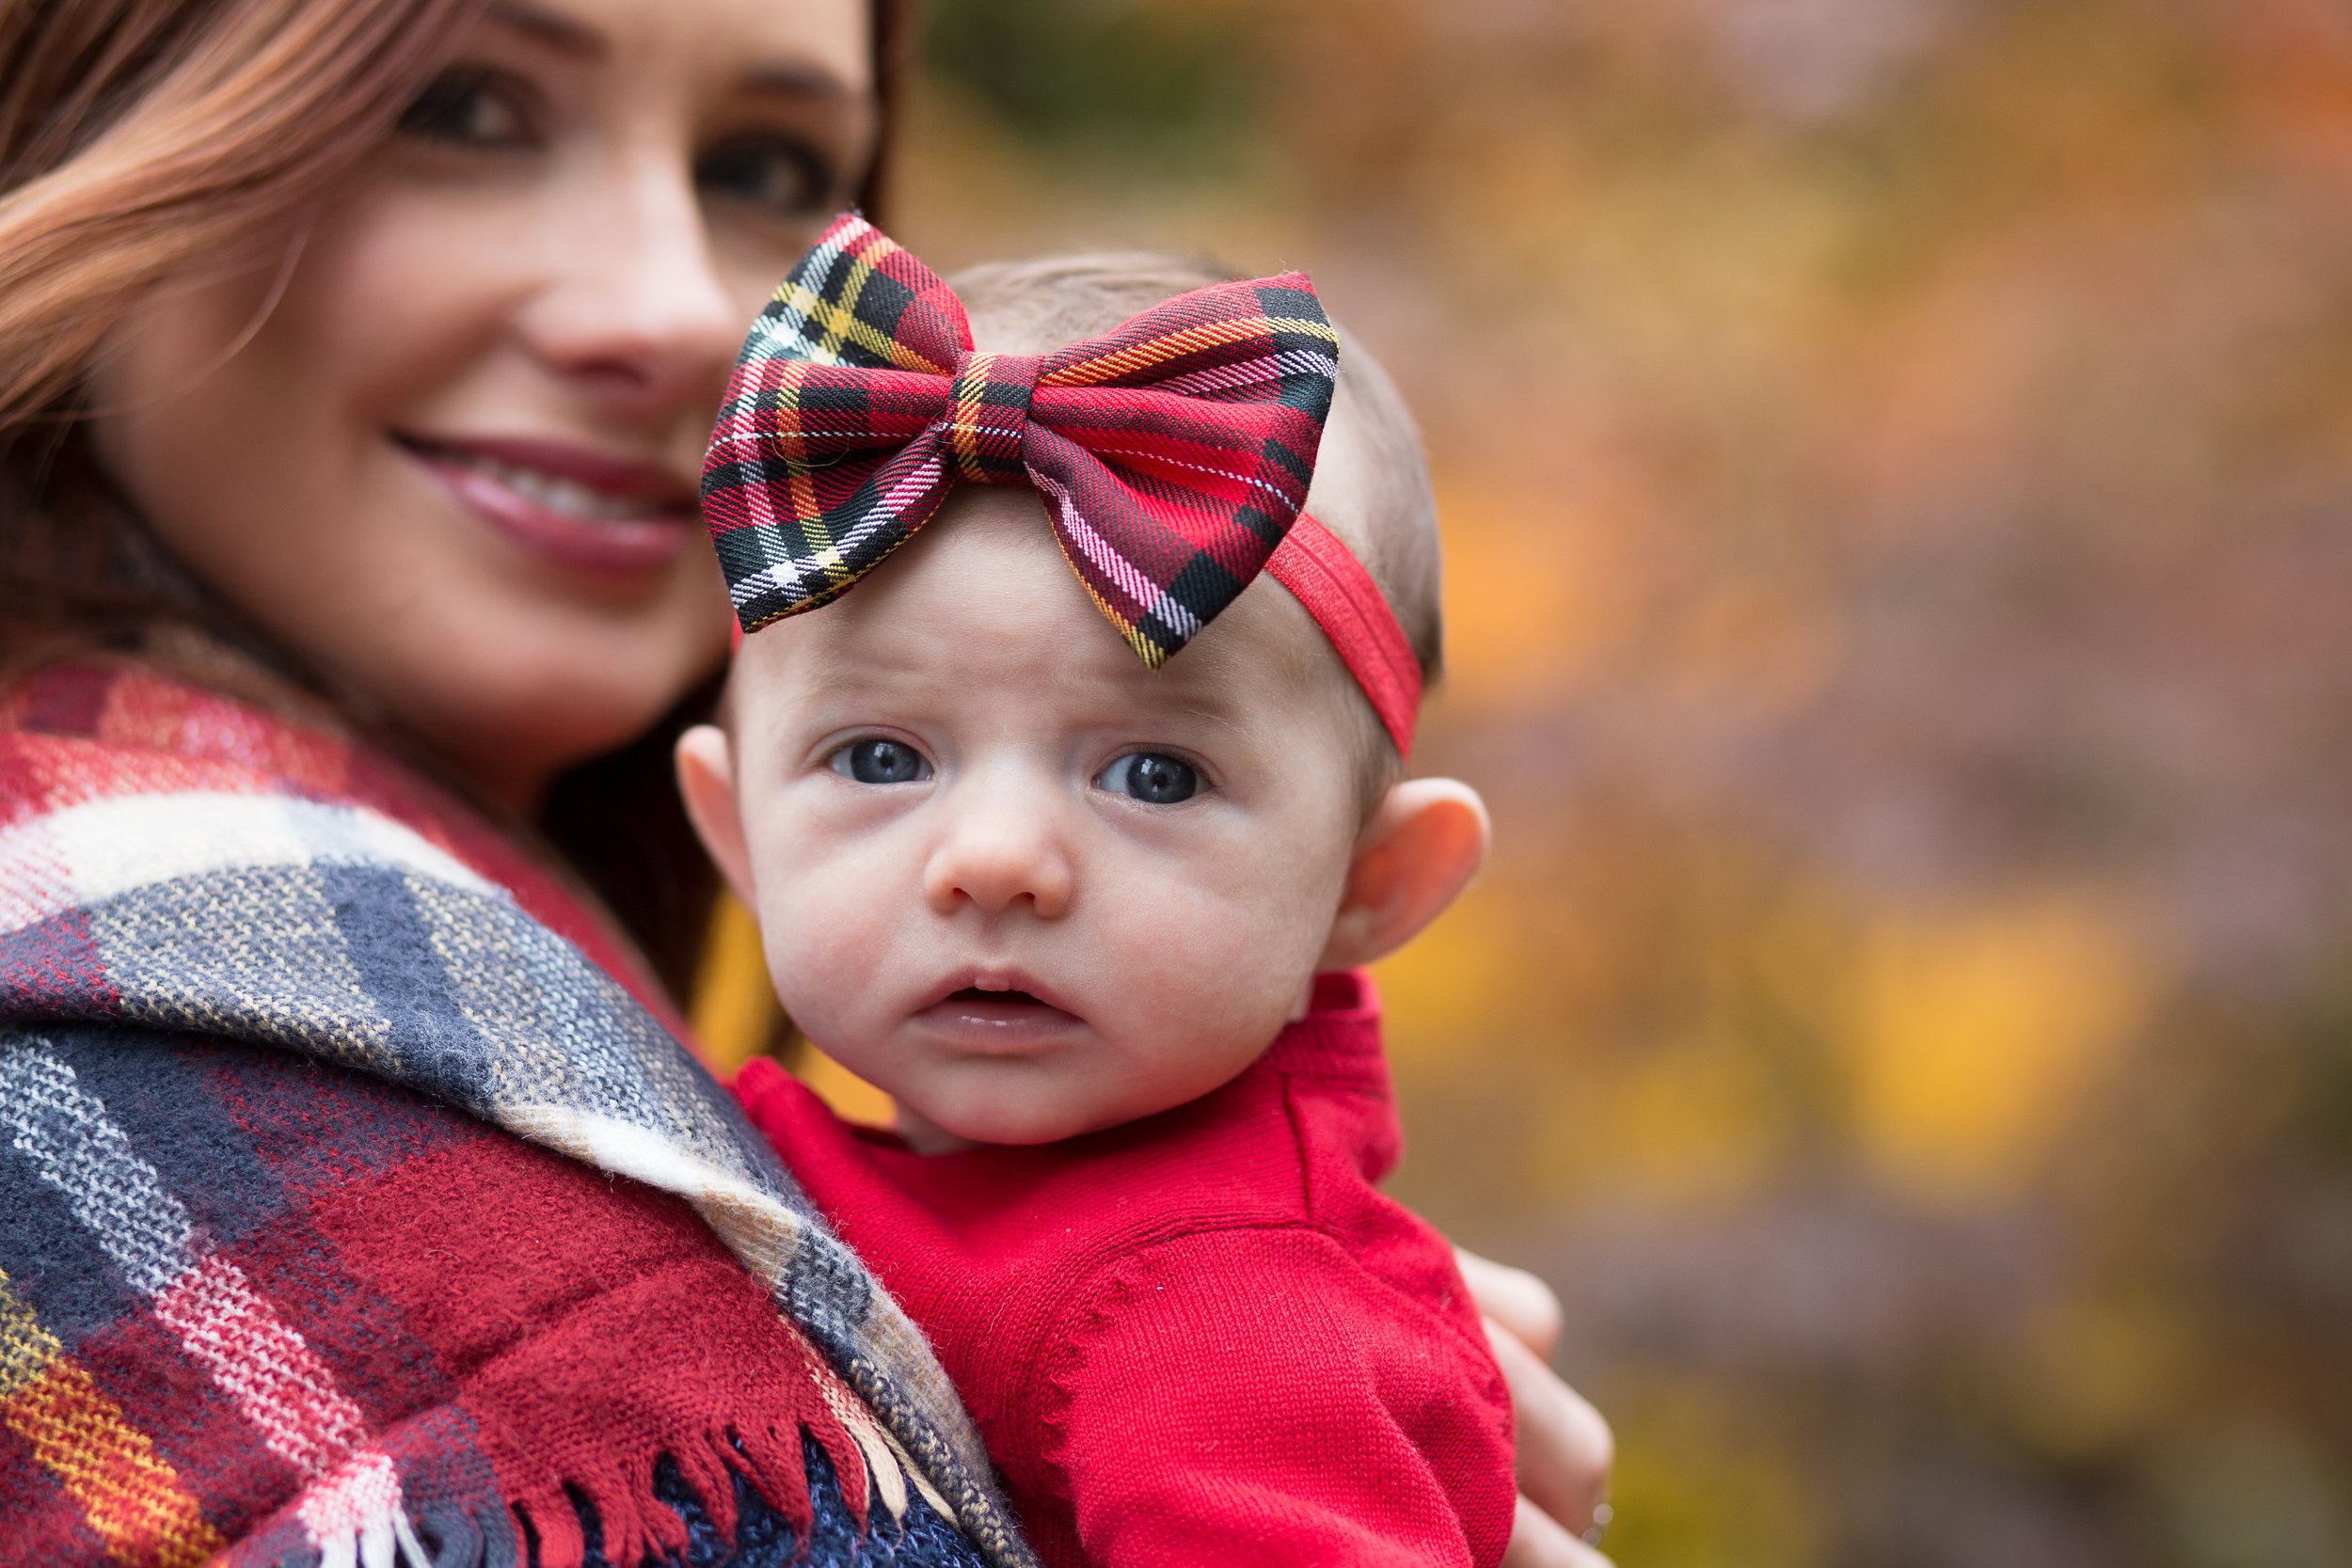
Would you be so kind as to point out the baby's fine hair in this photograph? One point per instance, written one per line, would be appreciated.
(1372, 482)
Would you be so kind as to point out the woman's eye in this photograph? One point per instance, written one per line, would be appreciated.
(470, 107)
(882, 762)
(1151, 778)
(783, 176)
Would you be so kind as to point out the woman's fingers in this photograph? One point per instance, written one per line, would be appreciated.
(1564, 1448)
(1538, 1542)
(1514, 1298)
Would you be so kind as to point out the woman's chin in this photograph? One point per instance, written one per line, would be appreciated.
(512, 714)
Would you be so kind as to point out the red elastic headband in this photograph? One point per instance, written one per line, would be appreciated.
(1325, 575)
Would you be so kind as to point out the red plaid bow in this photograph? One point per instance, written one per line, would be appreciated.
(1173, 453)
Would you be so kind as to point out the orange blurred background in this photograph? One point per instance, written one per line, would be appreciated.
(1896, 459)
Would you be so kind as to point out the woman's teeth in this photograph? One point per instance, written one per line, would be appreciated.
(558, 493)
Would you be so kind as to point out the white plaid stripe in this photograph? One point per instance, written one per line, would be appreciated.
(1139, 589)
(86, 854)
(791, 575)
(1254, 373)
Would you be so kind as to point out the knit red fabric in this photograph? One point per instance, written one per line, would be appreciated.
(1201, 1337)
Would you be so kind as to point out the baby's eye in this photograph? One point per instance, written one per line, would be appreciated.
(1151, 777)
(882, 762)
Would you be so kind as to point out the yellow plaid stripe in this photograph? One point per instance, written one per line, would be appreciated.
(26, 1349)
(1158, 351)
(130, 1495)
(840, 321)
(963, 418)
(799, 492)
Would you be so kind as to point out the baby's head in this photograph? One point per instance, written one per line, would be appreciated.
(1029, 885)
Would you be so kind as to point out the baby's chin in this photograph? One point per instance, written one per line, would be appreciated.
(1028, 1092)
(966, 1126)
(1016, 1108)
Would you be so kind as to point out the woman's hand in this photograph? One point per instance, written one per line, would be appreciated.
(1563, 1445)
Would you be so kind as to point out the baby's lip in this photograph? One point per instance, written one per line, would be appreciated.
(999, 1011)
(1012, 985)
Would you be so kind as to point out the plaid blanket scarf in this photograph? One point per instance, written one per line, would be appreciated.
(359, 1207)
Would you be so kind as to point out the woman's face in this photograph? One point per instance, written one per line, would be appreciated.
(455, 465)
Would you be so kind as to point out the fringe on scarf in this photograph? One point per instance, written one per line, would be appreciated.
(360, 1517)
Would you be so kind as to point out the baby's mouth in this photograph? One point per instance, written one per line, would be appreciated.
(994, 1021)
(1010, 998)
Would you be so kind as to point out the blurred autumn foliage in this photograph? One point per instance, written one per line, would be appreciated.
(1897, 461)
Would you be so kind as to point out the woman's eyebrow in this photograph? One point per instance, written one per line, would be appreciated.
(794, 79)
(799, 79)
(552, 28)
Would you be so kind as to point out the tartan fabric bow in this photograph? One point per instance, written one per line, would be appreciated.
(1173, 453)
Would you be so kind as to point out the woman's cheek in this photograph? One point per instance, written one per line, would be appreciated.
(400, 290)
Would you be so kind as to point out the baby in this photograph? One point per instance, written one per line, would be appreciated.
(1096, 922)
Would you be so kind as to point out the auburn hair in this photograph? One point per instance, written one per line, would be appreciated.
(141, 140)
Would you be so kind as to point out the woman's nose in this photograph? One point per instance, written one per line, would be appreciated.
(633, 306)
(999, 850)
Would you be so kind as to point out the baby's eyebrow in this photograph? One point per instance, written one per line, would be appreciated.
(1205, 698)
(862, 662)
(1216, 707)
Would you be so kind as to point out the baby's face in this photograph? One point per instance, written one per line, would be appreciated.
(1004, 871)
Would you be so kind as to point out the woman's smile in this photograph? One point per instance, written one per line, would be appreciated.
(574, 505)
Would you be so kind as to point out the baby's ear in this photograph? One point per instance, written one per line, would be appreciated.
(705, 780)
(1420, 850)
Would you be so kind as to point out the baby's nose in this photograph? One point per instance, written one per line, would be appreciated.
(996, 854)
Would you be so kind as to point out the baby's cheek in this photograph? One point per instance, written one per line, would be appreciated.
(827, 941)
(1215, 971)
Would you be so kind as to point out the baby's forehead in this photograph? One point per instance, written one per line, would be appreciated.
(984, 593)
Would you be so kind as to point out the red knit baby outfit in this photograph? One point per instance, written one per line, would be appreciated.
(1201, 1337)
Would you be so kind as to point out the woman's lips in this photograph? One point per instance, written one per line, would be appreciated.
(569, 505)
(998, 1021)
